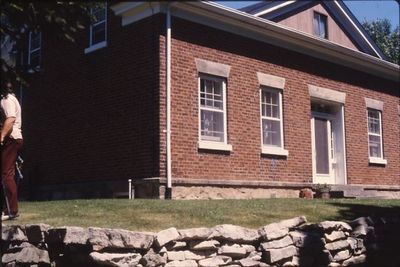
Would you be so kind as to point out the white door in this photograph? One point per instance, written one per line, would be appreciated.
(322, 150)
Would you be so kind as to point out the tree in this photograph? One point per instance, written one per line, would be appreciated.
(19, 18)
(387, 40)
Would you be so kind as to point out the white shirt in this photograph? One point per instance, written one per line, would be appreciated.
(12, 109)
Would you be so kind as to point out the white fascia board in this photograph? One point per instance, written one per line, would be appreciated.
(249, 25)
(274, 8)
(228, 19)
(357, 29)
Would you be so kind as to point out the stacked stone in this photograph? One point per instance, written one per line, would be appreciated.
(223, 245)
(292, 242)
(24, 245)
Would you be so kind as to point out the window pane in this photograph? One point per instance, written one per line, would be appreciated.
(321, 146)
(270, 104)
(35, 58)
(320, 25)
(211, 94)
(374, 146)
(99, 33)
(99, 14)
(35, 41)
(212, 125)
(271, 132)
(373, 122)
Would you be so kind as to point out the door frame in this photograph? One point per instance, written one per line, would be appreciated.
(332, 176)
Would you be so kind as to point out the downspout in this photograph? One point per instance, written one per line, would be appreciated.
(168, 191)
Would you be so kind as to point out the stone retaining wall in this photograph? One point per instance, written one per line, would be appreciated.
(292, 242)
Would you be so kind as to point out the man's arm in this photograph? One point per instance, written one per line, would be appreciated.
(7, 128)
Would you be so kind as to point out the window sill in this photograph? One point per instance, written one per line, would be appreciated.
(274, 151)
(215, 146)
(95, 47)
(378, 161)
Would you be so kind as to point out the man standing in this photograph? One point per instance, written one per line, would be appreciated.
(11, 144)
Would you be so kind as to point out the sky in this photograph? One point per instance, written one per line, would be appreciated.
(363, 10)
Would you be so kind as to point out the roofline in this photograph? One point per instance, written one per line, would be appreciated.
(259, 28)
(340, 5)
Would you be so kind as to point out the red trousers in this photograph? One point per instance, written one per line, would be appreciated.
(9, 153)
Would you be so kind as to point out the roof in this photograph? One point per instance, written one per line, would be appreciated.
(240, 23)
(275, 10)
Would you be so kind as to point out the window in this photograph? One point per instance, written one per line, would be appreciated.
(320, 25)
(375, 136)
(35, 43)
(271, 122)
(98, 29)
(212, 113)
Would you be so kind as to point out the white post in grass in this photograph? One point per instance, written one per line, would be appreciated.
(130, 188)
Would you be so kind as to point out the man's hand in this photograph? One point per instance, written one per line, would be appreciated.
(7, 128)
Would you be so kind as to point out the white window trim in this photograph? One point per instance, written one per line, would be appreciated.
(94, 47)
(266, 149)
(375, 160)
(34, 50)
(211, 145)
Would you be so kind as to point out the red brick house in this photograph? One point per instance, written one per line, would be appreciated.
(196, 100)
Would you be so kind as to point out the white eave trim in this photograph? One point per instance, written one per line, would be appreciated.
(274, 8)
(257, 28)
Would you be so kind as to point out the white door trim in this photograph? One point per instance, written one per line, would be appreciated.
(330, 178)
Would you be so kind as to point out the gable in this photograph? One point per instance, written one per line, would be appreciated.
(303, 21)
(345, 28)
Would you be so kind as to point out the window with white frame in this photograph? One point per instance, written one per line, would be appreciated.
(98, 28)
(212, 109)
(271, 118)
(375, 133)
(35, 43)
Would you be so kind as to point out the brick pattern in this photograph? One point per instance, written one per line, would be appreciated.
(246, 58)
(94, 116)
(101, 116)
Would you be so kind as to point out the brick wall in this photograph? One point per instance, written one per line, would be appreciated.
(246, 58)
(101, 116)
(92, 117)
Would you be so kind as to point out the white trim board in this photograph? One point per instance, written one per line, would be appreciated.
(241, 23)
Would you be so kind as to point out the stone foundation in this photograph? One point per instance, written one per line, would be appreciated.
(292, 242)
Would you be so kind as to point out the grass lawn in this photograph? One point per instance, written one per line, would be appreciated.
(155, 215)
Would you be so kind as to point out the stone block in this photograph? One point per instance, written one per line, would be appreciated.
(248, 263)
(28, 255)
(275, 255)
(304, 239)
(204, 245)
(176, 255)
(278, 243)
(215, 261)
(11, 233)
(334, 235)
(272, 231)
(355, 260)
(185, 263)
(234, 233)
(165, 236)
(234, 251)
(152, 259)
(116, 259)
(195, 233)
(342, 255)
(337, 245)
(328, 226)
